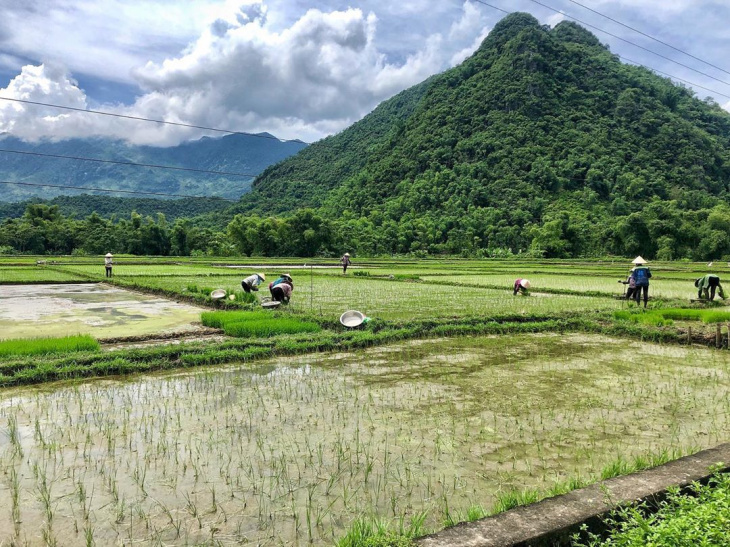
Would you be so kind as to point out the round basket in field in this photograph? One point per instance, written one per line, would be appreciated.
(218, 294)
(352, 318)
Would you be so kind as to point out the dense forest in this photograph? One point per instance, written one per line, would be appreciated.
(541, 143)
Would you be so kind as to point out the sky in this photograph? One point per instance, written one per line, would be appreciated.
(298, 69)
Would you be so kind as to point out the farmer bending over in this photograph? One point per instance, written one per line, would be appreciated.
(707, 285)
(252, 282)
(521, 286)
(282, 288)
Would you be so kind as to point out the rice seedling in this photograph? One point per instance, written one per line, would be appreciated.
(42, 346)
(665, 316)
(299, 448)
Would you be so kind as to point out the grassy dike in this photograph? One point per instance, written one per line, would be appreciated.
(23, 370)
(27, 370)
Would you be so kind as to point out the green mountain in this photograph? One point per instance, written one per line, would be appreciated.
(30, 163)
(542, 140)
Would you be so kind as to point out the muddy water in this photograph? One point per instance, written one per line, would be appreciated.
(30, 311)
(291, 451)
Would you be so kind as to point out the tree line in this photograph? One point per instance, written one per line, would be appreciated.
(663, 230)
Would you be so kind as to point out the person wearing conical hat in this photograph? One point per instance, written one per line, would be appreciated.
(108, 263)
(282, 288)
(641, 275)
(521, 286)
(345, 261)
(252, 282)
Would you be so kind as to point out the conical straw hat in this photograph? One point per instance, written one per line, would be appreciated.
(639, 260)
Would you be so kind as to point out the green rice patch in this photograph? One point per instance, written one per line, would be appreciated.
(269, 327)
(247, 324)
(666, 317)
(219, 319)
(42, 346)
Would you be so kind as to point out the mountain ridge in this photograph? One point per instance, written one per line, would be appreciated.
(242, 153)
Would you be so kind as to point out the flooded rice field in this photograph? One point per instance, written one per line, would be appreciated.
(292, 450)
(31, 311)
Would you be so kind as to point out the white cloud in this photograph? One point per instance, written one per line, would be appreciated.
(312, 78)
(555, 19)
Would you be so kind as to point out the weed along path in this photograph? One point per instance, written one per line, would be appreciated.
(293, 450)
(31, 311)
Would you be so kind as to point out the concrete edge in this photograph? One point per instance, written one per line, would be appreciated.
(552, 521)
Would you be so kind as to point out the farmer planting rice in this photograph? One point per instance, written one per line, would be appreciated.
(521, 286)
(282, 288)
(707, 285)
(640, 275)
(252, 282)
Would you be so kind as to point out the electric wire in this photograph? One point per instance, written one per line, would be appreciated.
(628, 41)
(649, 36)
(139, 118)
(673, 77)
(634, 62)
(93, 189)
(131, 163)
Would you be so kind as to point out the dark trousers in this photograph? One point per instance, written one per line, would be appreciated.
(277, 293)
(709, 292)
(108, 271)
(637, 294)
(630, 293)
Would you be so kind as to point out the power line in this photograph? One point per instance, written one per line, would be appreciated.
(629, 42)
(620, 56)
(134, 164)
(495, 7)
(139, 118)
(674, 77)
(109, 191)
(649, 36)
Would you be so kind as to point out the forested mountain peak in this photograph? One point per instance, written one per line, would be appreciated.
(542, 141)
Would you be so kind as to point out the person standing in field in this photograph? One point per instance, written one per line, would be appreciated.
(345, 261)
(252, 282)
(641, 275)
(631, 282)
(521, 286)
(707, 285)
(282, 288)
(108, 263)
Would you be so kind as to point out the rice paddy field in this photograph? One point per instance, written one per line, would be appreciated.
(297, 429)
(293, 450)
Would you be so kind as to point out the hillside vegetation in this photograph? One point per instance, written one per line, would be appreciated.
(541, 141)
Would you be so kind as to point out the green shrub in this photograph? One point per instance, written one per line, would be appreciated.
(41, 346)
(698, 518)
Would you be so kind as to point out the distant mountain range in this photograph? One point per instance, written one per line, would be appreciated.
(249, 154)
